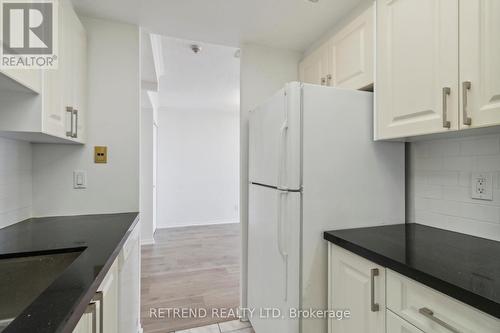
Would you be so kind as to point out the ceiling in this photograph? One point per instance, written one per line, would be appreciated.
(289, 24)
(208, 80)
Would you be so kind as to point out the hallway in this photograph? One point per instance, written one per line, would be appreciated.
(190, 267)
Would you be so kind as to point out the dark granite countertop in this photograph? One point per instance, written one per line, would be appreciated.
(100, 238)
(464, 267)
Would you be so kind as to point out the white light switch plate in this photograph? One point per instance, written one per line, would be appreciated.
(482, 186)
(79, 179)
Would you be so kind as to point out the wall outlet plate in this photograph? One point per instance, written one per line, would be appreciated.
(101, 154)
(482, 186)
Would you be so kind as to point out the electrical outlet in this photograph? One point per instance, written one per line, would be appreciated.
(482, 186)
(101, 154)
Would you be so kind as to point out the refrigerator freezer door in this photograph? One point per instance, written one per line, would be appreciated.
(275, 140)
(273, 258)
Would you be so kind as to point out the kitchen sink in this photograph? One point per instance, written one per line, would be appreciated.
(22, 279)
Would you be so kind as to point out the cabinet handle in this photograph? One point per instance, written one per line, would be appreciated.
(466, 86)
(323, 81)
(430, 315)
(75, 133)
(98, 297)
(329, 78)
(374, 306)
(70, 132)
(446, 93)
(91, 309)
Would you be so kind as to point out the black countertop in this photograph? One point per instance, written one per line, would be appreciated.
(60, 306)
(464, 267)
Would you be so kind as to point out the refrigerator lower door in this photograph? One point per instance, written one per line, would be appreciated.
(275, 140)
(273, 259)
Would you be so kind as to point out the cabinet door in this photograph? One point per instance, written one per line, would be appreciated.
(397, 325)
(79, 77)
(109, 294)
(358, 285)
(55, 98)
(352, 53)
(54, 114)
(479, 63)
(417, 60)
(88, 322)
(314, 69)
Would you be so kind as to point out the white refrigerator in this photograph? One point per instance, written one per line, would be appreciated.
(313, 166)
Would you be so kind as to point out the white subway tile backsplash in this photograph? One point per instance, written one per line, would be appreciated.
(488, 145)
(457, 163)
(15, 181)
(440, 181)
(487, 163)
(444, 148)
(442, 177)
(429, 191)
(429, 163)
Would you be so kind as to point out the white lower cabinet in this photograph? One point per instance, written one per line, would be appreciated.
(398, 325)
(101, 315)
(432, 311)
(381, 300)
(115, 308)
(357, 285)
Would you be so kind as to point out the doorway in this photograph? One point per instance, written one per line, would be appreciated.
(191, 271)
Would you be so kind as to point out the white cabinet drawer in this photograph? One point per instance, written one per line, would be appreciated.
(407, 298)
(398, 325)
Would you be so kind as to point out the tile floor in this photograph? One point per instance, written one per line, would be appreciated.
(234, 326)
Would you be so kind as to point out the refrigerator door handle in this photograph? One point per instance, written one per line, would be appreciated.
(281, 156)
(281, 241)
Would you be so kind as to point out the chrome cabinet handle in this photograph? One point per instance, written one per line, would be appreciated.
(75, 133)
(98, 297)
(375, 307)
(323, 81)
(466, 86)
(91, 309)
(430, 315)
(446, 93)
(329, 78)
(70, 132)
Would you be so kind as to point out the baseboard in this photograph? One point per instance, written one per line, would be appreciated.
(147, 241)
(198, 224)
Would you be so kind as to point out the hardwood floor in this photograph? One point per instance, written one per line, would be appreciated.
(190, 268)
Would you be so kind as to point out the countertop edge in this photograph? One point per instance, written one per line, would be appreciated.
(476, 301)
(74, 318)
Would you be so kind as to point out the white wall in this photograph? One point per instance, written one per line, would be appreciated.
(264, 70)
(146, 183)
(440, 184)
(112, 120)
(15, 181)
(198, 167)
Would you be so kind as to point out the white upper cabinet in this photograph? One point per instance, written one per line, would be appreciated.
(346, 60)
(315, 68)
(56, 113)
(417, 67)
(479, 63)
(65, 88)
(24, 79)
(438, 66)
(352, 53)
